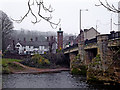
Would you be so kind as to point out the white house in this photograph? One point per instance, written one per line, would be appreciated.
(32, 47)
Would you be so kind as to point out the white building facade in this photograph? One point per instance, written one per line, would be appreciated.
(32, 48)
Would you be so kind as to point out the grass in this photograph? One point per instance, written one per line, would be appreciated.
(8, 63)
(7, 60)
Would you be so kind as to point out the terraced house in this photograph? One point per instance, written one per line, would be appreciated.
(32, 47)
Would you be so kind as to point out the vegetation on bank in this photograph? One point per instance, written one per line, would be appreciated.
(7, 60)
(8, 66)
(77, 66)
(49, 60)
(79, 71)
(96, 74)
(37, 61)
(58, 59)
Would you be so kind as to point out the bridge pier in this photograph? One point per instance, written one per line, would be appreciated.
(72, 58)
(89, 55)
(102, 42)
(81, 51)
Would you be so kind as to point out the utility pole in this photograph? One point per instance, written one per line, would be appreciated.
(80, 19)
(80, 16)
(97, 26)
(111, 23)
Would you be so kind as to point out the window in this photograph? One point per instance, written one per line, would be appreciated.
(60, 33)
(18, 45)
(24, 49)
(42, 47)
(45, 47)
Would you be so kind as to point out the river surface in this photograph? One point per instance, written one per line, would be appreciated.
(47, 80)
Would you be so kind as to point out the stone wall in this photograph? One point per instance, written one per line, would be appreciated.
(102, 42)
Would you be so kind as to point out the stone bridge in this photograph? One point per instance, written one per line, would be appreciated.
(105, 45)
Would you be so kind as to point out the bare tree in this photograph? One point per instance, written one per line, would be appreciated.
(6, 26)
(108, 6)
(40, 6)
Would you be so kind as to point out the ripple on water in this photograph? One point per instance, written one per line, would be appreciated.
(45, 80)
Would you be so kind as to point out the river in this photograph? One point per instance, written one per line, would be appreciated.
(47, 80)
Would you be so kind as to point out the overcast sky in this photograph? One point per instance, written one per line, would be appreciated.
(67, 11)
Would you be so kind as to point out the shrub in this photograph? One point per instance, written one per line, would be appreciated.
(6, 70)
(36, 61)
(81, 70)
(47, 61)
(75, 71)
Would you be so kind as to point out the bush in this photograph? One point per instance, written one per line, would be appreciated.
(47, 61)
(5, 70)
(57, 59)
(75, 71)
(36, 61)
(81, 70)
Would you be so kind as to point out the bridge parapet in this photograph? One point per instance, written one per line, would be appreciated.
(90, 46)
(71, 49)
(94, 40)
(112, 39)
(114, 35)
(114, 42)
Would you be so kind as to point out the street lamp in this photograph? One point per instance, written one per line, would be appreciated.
(97, 21)
(80, 15)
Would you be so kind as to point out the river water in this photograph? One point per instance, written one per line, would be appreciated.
(47, 80)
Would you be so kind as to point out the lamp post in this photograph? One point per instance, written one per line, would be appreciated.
(97, 21)
(80, 16)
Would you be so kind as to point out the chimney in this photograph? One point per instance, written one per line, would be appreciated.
(18, 39)
(85, 30)
(36, 39)
(13, 45)
(24, 39)
(31, 39)
(47, 38)
(51, 38)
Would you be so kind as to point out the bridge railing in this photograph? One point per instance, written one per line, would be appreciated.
(70, 47)
(94, 40)
(114, 35)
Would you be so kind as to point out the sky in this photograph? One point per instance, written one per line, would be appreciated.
(69, 13)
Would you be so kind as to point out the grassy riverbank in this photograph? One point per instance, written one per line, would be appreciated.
(14, 66)
(8, 66)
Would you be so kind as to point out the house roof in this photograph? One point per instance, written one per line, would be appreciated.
(86, 30)
(19, 35)
(33, 43)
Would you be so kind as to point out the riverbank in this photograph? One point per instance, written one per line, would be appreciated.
(18, 68)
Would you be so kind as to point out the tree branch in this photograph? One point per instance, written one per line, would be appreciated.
(39, 4)
(108, 6)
